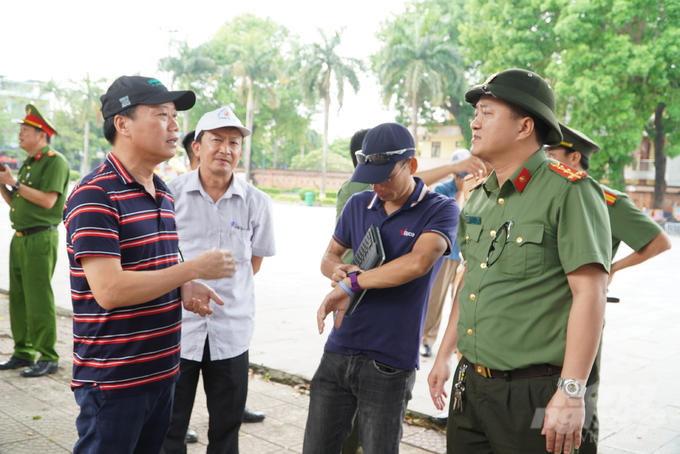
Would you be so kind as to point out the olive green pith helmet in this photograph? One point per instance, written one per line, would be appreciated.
(524, 89)
(578, 141)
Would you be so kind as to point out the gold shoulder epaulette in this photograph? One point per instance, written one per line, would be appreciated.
(567, 172)
(609, 197)
(51, 153)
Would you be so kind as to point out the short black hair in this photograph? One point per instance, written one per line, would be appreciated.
(356, 143)
(200, 137)
(540, 126)
(584, 162)
(186, 143)
(110, 127)
(47, 136)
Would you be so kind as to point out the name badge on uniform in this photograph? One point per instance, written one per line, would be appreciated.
(473, 220)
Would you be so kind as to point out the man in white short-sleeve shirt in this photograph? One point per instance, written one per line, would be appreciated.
(215, 209)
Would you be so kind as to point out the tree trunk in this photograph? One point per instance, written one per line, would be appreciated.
(659, 158)
(324, 165)
(248, 143)
(85, 160)
(276, 153)
(414, 119)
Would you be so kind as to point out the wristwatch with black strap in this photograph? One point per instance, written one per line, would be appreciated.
(15, 186)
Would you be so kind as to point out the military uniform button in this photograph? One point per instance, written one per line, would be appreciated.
(492, 233)
(29, 167)
(519, 239)
(23, 181)
(473, 297)
(12, 223)
(30, 183)
(12, 209)
(482, 265)
(467, 238)
(501, 201)
(469, 332)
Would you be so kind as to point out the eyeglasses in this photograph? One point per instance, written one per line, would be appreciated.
(493, 256)
(390, 180)
(378, 159)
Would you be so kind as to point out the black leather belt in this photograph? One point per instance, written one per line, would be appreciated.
(537, 370)
(22, 233)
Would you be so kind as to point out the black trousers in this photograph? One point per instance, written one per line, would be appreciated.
(226, 386)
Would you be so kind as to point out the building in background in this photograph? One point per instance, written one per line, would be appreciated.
(437, 143)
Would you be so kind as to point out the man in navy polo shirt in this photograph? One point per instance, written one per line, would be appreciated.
(127, 287)
(370, 358)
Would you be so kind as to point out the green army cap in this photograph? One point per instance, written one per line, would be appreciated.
(524, 89)
(34, 118)
(578, 141)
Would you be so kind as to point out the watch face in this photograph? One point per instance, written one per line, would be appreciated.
(572, 388)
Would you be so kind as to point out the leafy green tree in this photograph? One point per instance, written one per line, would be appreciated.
(416, 67)
(187, 68)
(318, 63)
(336, 162)
(612, 65)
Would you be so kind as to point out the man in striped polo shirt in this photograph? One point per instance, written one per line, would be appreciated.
(127, 287)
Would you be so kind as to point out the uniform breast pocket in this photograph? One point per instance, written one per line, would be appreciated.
(524, 254)
(471, 248)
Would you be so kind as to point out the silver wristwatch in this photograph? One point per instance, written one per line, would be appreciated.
(571, 387)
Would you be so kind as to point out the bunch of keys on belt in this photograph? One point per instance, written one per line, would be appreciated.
(459, 388)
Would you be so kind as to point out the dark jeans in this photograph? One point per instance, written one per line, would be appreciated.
(346, 384)
(128, 425)
(226, 387)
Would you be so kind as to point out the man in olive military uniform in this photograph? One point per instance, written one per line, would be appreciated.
(629, 225)
(36, 197)
(537, 242)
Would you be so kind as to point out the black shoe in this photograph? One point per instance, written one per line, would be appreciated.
(41, 368)
(192, 436)
(15, 363)
(426, 351)
(252, 416)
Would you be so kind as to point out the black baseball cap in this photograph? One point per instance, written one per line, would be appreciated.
(390, 138)
(130, 91)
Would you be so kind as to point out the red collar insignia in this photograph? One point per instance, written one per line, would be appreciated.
(38, 157)
(522, 180)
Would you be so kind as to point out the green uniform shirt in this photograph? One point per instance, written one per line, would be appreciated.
(347, 190)
(628, 223)
(46, 172)
(514, 314)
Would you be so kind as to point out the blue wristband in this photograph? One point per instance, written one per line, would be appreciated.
(345, 288)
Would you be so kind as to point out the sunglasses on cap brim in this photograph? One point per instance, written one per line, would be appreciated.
(378, 159)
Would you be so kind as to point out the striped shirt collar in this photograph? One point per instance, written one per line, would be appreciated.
(416, 197)
(125, 176)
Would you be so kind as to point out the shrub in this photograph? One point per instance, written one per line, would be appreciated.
(74, 175)
(303, 190)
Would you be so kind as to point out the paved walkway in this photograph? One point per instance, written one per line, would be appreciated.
(639, 396)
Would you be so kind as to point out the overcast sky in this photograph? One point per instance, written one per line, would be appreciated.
(66, 39)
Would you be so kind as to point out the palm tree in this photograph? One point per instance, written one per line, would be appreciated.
(256, 70)
(84, 103)
(185, 69)
(318, 63)
(418, 68)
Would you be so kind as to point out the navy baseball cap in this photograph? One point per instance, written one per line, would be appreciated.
(383, 146)
(130, 91)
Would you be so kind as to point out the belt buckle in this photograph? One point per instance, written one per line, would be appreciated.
(483, 371)
(20, 234)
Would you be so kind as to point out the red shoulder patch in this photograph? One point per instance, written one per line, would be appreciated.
(567, 172)
(609, 197)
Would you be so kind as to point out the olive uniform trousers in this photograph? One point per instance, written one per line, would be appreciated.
(33, 318)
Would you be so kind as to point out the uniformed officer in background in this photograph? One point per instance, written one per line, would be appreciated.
(537, 243)
(629, 225)
(36, 198)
